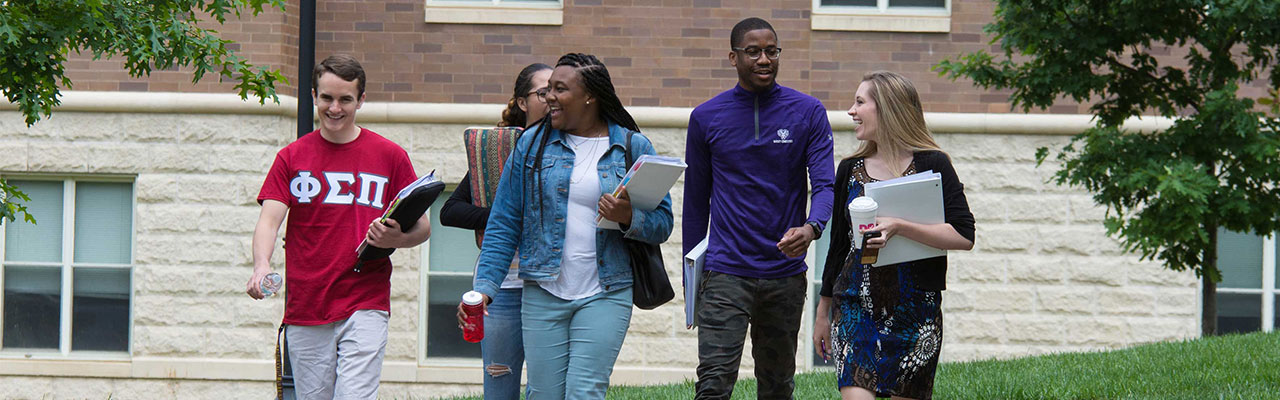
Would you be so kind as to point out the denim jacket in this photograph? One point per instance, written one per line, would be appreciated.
(517, 223)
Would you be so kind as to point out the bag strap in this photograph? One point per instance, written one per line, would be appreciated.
(279, 366)
(627, 149)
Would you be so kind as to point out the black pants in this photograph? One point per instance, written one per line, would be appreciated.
(772, 307)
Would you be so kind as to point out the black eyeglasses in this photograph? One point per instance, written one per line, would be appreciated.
(755, 52)
(542, 94)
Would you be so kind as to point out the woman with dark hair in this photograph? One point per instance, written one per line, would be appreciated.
(577, 298)
(883, 325)
(502, 349)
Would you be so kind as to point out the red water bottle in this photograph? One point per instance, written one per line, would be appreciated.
(473, 330)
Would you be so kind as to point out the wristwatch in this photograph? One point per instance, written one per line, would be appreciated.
(817, 229)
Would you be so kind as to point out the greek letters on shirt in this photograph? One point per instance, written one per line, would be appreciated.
(344, 188)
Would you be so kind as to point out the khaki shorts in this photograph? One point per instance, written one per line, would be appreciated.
(339, 360)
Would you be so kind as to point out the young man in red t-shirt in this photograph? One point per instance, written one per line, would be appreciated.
(331, 183)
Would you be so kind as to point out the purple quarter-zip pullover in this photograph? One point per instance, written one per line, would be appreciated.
(748, 154)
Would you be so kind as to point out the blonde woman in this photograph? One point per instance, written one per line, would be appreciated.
(883, 325)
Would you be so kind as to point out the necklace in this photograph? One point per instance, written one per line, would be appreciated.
(575, 178)
(574, 143)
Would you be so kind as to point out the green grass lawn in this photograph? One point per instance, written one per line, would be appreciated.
(1226, 367)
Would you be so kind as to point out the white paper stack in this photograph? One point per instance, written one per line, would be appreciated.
(916, 198)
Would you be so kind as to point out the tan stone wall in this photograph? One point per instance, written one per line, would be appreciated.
(1041, 278)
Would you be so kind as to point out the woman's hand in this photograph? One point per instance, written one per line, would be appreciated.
(888, 228)
(462, 315)
(616, 209)
(822, 329)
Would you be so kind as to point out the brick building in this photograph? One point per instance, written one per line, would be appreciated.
(169, 170)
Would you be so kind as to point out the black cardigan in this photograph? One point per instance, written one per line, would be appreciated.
(931, 273)
(458, 210)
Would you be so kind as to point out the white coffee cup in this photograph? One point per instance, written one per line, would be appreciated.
(862, 215)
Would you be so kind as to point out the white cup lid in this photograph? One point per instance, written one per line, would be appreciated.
(863, 204)
(472, 298)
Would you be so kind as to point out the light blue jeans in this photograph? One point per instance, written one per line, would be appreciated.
(502, 348)
(571, 345)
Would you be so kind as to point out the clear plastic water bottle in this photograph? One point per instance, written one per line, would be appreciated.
(270, 284)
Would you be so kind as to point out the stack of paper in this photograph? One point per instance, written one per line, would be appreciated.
(693, 264)
(647, 183)
(916, 198)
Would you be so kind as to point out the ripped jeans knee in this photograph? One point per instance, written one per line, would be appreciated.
(496, 370)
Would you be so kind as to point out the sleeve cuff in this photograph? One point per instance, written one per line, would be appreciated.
(485, 287)
(633, 231)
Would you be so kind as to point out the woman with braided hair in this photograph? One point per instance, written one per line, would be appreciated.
(502, 349)
(576, 304)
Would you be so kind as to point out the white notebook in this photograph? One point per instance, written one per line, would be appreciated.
(648, 182)
(694, 262)
(916, 198)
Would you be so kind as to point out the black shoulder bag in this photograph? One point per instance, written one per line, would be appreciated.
(651, 287)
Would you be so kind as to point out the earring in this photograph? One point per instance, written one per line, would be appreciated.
(588, 101)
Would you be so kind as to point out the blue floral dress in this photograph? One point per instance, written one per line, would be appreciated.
(886, 335)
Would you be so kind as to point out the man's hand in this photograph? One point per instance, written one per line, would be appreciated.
(253, 287)
(387, 234)
(796, 241)
(616, 209)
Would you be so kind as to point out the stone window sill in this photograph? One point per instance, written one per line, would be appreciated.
(928, 21)
(522, 14)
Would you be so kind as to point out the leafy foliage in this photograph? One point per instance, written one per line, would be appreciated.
(11, 203)
(36, 37)
(1165, 191)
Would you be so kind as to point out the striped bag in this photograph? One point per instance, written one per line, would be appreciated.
(487, 151)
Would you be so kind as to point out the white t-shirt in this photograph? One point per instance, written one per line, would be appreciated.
(513, 280)
(579, 278)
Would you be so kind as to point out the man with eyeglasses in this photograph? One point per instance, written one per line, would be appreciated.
(748, 150)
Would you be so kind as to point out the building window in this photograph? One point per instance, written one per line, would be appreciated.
(818, 262)
(1247, 294)
(450, 257)
(68, 279)
(503, 12)
(882, 15)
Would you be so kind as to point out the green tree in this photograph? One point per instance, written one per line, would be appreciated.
(1168, 192)
(36, 36)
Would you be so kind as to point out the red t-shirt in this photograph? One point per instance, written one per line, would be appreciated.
(333, 192)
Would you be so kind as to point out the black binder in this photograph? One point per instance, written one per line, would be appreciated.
(406, 209)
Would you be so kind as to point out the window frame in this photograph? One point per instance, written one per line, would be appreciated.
(1268, 291)
(67, 267)
(881, 18)
(813, 289)
(495, 12)
(424, 295)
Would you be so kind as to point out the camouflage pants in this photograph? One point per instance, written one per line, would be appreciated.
(728, 304)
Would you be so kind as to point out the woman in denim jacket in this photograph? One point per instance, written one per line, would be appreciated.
(577, 300)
